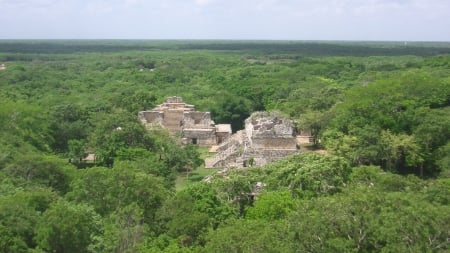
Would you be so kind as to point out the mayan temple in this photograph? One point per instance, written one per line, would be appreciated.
(182, 119)
(267, 137)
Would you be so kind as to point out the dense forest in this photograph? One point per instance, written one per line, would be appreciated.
(378, 111)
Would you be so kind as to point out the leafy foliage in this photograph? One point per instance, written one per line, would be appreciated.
(379, 109)
(309, 173)
(107, 190)
(67, 227)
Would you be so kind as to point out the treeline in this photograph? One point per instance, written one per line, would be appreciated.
(308, 48)
(319, 48)
(74, 46)
(383, 121)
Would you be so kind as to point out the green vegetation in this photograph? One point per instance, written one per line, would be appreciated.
(381, 111)
(189, 177)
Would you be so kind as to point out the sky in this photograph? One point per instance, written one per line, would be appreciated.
(372, 20)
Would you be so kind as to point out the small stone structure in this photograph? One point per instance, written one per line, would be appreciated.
(304, 137)
(267, 137)
(181, 118)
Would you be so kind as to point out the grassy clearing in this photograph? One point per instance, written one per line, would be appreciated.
(185, 179)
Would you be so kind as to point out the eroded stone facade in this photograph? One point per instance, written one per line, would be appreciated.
(267, 137)
(182, 119)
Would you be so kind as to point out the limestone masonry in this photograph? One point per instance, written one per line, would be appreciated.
(267, 137)
(181, 118)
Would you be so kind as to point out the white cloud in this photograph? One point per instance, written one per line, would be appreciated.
(247, 19)
(132, 2)
(203, 2)
(98, 7)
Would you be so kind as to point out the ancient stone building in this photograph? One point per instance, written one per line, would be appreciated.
(182, 119)
(267, 137)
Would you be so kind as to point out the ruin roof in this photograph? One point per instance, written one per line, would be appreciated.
(174, 104)
(174, 99)
(223, 128)
(269, 124)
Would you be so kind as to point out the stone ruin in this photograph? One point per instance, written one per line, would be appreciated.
(182, 119)
(267, 137)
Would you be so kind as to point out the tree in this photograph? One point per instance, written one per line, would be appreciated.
(123, 231)
(9, 242)
(141, 100)
(400, 152)
(19, 214)
(28, 122)
(360, 146)
(193, 159)
(438, 191)
(42, 170)
(231, 109)
(365, 219)
(76, 150)
(69, 122)
(237, 186)
(107, 190)
(170, 151)
(375, 177)
(192, 212)
(114, 132)
(271, 206)
(308, 173)
(250, 236)
(67, 227)
(314, 122)
(432, 134)
(443, 161)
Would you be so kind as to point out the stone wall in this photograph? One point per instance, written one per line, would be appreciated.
(204, 137)
(151, 116)
(269, 124)
(267, 137)
(197, 120)
(263, 157)
(274, 143)
(222, 136)
(181, 118)
(174, 100)
(173, 120)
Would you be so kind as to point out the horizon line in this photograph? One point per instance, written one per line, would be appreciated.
(225, 40)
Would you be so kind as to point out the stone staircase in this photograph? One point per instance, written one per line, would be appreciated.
(227, 152)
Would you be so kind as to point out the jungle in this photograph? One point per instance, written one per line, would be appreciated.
(379, 112)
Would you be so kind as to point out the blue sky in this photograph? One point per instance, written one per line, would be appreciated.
(398, 20)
